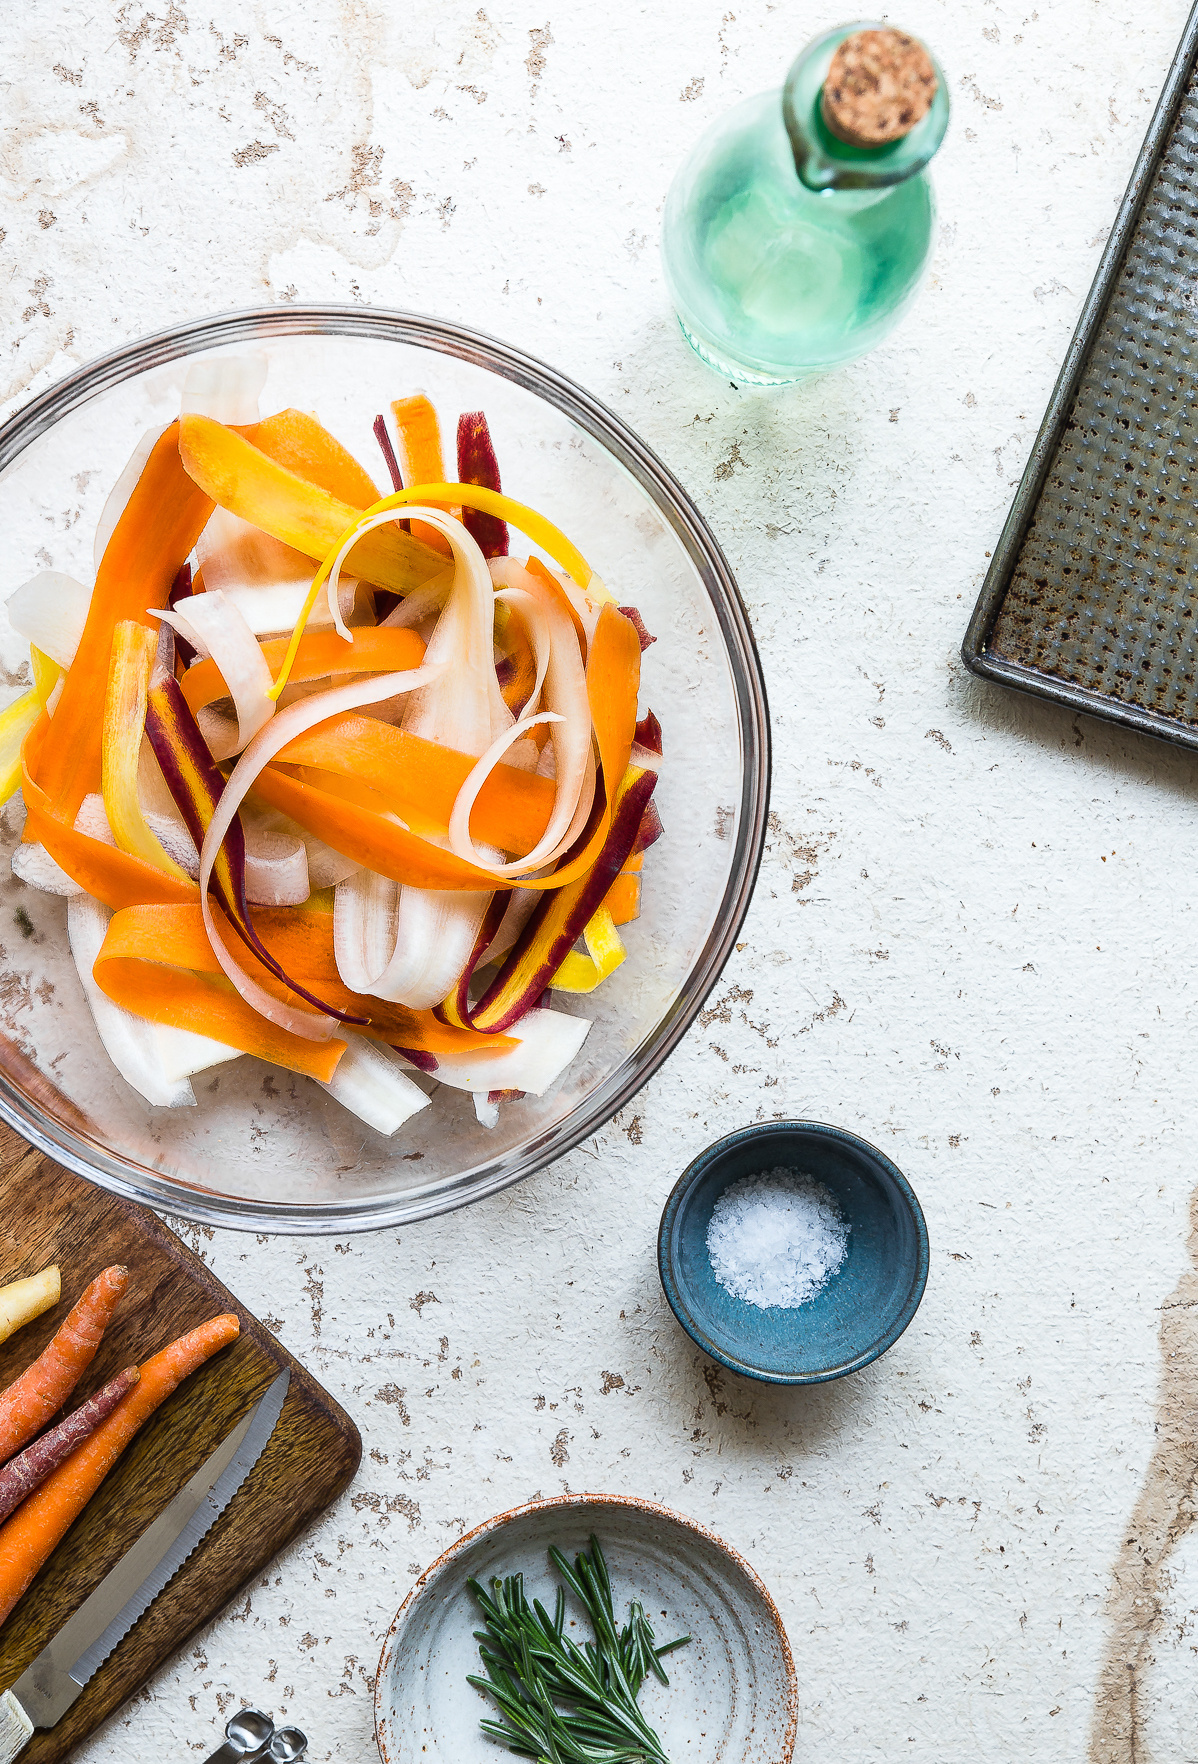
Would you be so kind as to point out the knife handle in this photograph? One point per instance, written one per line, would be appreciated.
(16, 1729)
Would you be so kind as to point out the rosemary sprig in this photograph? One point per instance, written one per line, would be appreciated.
(533, 1666)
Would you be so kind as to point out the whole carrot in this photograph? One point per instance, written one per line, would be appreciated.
(29, 1402)
(23, 1300)
(30, 1470)
(41, 1522)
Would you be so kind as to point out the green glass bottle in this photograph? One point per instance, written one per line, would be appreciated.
(789, 248)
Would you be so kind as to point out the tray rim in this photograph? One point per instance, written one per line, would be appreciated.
(974, 652)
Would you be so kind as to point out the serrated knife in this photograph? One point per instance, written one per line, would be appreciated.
(47, 1688)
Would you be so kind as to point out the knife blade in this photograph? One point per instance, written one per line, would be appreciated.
(48, 1687)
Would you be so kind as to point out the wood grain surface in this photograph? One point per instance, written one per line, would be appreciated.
(48, 1215)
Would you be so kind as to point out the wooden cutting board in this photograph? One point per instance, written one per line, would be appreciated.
(47, 1215)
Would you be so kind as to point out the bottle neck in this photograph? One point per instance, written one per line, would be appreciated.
(822, 160)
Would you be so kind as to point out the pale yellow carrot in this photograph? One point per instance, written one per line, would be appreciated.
(23, 1300)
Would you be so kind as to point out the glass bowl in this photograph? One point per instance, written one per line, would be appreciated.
(266, 1150)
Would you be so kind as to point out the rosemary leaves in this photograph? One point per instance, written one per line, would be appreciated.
(533, 1666)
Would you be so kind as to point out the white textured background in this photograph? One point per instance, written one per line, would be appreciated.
(972, 936)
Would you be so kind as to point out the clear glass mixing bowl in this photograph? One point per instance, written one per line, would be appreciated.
(265, 1150)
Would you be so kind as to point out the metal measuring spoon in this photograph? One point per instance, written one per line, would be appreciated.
(247, 1734)
(288, 1746)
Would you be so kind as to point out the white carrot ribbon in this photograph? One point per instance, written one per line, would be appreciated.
(548, 1040)
(129, 1041)
(50, 610)
(120, 493)
(286, 724)
(565, 693)
(216, 628)
(425, 937)
(371, 1083)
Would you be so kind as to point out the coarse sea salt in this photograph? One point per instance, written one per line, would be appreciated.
(776, 1239)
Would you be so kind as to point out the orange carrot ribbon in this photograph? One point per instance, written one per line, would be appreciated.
(159, 526)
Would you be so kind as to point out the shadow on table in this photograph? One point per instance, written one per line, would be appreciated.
(1125, 754)
(750, 1420)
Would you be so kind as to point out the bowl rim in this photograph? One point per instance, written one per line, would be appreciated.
(86, 1155)
(582, 1499)
(762, 1130)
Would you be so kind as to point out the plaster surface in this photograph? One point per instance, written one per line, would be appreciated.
(972, 934)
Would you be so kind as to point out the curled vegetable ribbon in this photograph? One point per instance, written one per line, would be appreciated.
(541, 531)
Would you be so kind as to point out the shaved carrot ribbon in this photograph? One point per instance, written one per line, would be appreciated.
(16, 720)
(605, 952)
(158, 962)
(623, 898)
(375, 840)
(161, 522)
(560, 598)
(357, 532)
(420, 780)
(111, 875)
(134, 647)
(518, 668)
(558, 919)
(46, 673)
(294, 439)
(477, 464)
(321, 654)
(421, 460)
(248, 482)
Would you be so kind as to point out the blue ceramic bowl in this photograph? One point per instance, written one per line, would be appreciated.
(866, 1304)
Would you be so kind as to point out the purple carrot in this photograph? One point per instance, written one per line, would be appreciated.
(647, 733)
(418, 1057)
(194, 780)
(634, 618)
(487, 932)
(649, 831)
(388, 452)
(477, 465)
(20, 1476)
(384, 601)
(182, 589)
(617, 847)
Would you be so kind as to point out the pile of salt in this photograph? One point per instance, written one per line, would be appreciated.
(776, 1239)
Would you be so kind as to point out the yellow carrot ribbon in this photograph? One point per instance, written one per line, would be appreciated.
(541, 531)
(605, 952)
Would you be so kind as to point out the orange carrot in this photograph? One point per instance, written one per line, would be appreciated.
(37, 1527)
(161, 522)
(623, 898)
(320, 653)
(27, 1404)
(113, 876)
(420, 458)
(158, 963)
(421, 779)
(246, 481)
(23, 1474)
(296, 440)
(536, 568)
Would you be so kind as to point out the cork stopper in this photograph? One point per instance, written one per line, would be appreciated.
(880, 84)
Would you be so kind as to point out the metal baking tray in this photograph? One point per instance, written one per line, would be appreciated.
(1092, 595)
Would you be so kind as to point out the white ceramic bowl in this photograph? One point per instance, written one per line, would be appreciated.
(732, 1696)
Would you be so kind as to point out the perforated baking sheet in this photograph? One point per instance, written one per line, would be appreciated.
(1092, 595)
